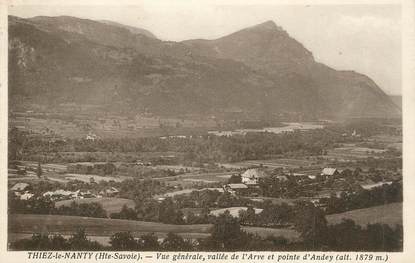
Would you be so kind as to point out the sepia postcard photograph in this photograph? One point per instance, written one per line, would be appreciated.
(205, 127)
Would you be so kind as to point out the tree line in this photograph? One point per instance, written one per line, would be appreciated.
(362, 198)
(44, 206)
(203, 149)
(226, 235)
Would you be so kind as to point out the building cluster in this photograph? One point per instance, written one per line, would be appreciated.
(250, 179)
(23, 191)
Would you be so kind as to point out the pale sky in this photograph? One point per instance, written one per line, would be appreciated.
(363, 38)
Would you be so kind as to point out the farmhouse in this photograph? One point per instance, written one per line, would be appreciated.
(91, 137)
(61, 194)
(328, 172)
(236, 188)
(26, 196)
(112, 191)
(252, 176)
(79, 194)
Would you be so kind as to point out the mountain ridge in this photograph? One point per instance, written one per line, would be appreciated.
(260, 70)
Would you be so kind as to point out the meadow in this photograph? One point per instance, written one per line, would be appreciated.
(390, 214)
(66, 225)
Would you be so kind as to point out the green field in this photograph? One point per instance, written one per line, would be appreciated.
(66, 225)
(110, 204)
(29, 223)
(272, 163)
(195, 179)
(390, 214)
(353, 152)
(73, 126)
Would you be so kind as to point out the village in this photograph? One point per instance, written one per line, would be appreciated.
(256, 184)
(145, 184)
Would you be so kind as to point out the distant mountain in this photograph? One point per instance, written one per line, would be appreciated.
(268, 48)
(259, 71)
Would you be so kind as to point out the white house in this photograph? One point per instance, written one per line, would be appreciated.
(91, 137)
(61, 194)
(329, 172)
(26, 196)
(252, 176)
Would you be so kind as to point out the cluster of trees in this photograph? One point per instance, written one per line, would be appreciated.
(311, 223)
(83, 209)
(364, 198)
(169, 210)
(78, 241)
(109, 168)
(274, 187)
(141, 189)
(151, 210)
(210, 198)
(272, 215)
(95, 168)
(347, 236)
(166, 212)
(45, 206)
(121, 241)
(146, 171)
(34, 205)
(172, 242)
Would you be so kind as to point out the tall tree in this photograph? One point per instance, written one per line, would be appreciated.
(149, 242)
(226, 231)
(312, 224)
(123, 241)
(175, 242)
(39, 171)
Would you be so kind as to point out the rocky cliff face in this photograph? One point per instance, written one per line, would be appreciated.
(260, 71)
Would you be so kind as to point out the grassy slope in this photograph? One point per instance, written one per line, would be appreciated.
(390, 214)
(29, 223)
